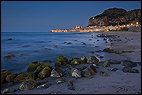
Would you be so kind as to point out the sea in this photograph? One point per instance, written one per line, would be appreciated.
(38, 46)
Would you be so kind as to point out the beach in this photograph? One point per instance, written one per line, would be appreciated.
(117, 82)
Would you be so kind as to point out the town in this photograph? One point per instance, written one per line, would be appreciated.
(99, 28)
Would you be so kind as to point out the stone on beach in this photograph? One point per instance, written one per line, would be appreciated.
(10, 78)
(75, 73)
(83, 59)
(71, 85)
(27, 84)
(32, 66)
(57, 72)
(58, 81)
(8, 90)
(93, 60)
(4, 74)
(45, 72)
(106, 63)
(89, 71)
(24, 76)
(109, 50)
(130, 70)
(46, 85)
(127, 63)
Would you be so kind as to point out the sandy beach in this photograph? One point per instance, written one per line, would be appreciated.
(117, 82)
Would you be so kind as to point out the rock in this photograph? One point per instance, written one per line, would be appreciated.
(101, 56)
(24, 76)
(44, 85)
(83, 43)
(57, 72)
(9, 56)
(48, 61)
(106, 64)
(58, 81)
(99, 51)
(127, 63)
(10, 78)
(130, 70)
(69, 43)
(93, 67)
(93, 60)
(83, 59)
(32, 66)
(82, 68)
(109, 50)
(105, 74)
(4, 74)
(113, 69)
(114, 61)
(45, 72)
(70, 85)
(8, 90)
(75, 73)
(46, 65)
(27, 84)
(61, 61)
(89, 71)
(75, 62)
(9, 38)
(118, 52)
(38, 69)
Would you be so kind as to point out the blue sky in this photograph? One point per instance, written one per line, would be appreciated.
(43, 16)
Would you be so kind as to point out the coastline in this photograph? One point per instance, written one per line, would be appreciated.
(117, 83)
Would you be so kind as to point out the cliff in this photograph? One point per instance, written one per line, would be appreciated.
(115, 16)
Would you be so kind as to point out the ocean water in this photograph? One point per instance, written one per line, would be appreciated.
(38, 46)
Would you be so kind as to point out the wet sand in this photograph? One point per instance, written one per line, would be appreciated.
(116, 83)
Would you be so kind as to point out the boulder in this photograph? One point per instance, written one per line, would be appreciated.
(105, 74)
(27, 84)
(46, 65)
(10, 78)
(127, 63)
(71, 85)
(32, 66)
(8, 90)
(61, 62)
(130, 70)
(9, 38)
(113, 69)
(93, 60)
(83, 59)
(58, 81)
(45, 72)
(109, 50)
(57, 72)
(75, 73)
(75, 62)
(4, 74)
(44, 85)
(89, 71)
(24, 76)
(106, 63)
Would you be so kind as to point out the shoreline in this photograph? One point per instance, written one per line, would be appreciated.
(117, 83)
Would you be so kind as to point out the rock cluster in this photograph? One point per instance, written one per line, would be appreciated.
(37, 71)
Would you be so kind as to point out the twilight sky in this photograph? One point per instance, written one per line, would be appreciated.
(43, 16)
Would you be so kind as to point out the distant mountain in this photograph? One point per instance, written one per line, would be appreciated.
(115, 16)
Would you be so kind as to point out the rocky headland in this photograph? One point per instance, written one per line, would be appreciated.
(115, 16)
